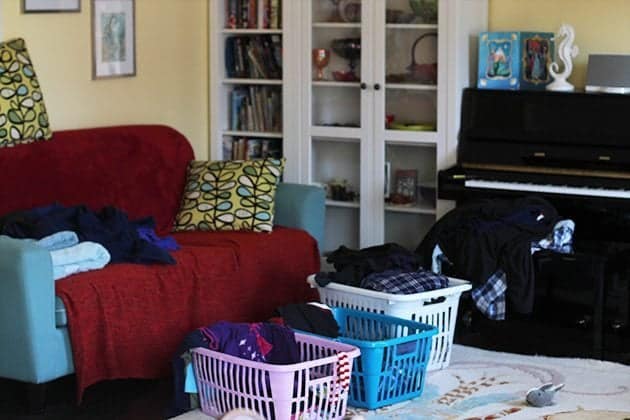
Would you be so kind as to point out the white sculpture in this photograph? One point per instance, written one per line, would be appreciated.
(566, 52)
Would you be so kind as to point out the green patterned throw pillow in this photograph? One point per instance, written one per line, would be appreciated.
(23, 116)
(230, 195)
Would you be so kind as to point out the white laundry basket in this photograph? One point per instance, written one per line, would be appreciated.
(437, 308)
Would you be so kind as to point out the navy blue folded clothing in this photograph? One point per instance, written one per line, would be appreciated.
(401, 282)
(109, 227)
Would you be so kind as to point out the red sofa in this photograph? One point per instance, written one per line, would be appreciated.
(126, 320)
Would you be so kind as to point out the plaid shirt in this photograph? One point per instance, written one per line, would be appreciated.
(401, 282)
(490, 296)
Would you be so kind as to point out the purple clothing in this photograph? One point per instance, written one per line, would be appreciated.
(167, 243)
(259, 342)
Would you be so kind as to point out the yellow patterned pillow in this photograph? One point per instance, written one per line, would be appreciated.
(230, 195)
(23, 116)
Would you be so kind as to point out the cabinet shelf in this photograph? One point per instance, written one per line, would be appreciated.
(336, 132)
(265, 134)
(409, 137)
(430, 26)
(252, 81)
(334, 83)
(251, 31)
(346, 204)
(411, 86)
(335, 25)
(423, 207)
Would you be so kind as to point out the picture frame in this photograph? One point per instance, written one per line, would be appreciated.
(406, 181)
(51, 6)
(113, 39)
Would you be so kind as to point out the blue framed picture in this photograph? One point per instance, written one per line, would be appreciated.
(515, 60)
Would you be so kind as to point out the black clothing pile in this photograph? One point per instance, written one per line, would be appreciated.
(352, 266)
(481, 237)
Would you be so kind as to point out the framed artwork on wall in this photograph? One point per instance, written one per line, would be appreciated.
(47, 6)
(113, 39)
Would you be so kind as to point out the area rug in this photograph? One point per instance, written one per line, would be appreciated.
(487, 385)
(482, 384)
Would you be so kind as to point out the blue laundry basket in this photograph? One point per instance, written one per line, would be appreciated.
(394, 356)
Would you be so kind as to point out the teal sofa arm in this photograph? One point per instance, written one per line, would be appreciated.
(32, 349)
(303, 207)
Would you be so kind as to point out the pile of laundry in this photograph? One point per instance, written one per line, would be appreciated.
(490, 243)
(80, 239)
(388, 268)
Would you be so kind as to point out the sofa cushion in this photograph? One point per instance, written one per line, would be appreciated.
(23, 117)
(100, 167)
(230, 195)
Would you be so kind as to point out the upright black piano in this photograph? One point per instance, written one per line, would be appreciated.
(574, 150)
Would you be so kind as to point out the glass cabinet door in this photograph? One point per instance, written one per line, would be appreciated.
(336, 46)
(411, 65)
(338, 127)
(406, 115)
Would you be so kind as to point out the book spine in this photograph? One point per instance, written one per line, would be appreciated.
(260, 113)
(230, 13)
(253, 149)
(266, 14)
(244, 13)
(228, 148)
(253, 14)
(275, 14)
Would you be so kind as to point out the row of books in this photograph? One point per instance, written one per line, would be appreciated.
(256, 108)
(244, 14)
(254, 56)
(247, 149)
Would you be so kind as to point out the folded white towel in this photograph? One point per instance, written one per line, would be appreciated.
(78, 258)
(59, 240)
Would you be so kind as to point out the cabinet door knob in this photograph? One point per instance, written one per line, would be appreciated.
(377, 86)
(363, 85)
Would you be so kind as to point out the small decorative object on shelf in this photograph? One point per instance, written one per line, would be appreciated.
(321, 58)
(422, 73)
(398, 16)
(566, 52)
(350, 49)
(349, 10)
(515, 60)
(405, 187)
(426, 10)
(341, 191)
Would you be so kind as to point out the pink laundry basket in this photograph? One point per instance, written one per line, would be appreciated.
(317, 387)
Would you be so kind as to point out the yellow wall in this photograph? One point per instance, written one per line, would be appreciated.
(600, 26)
(171, 84)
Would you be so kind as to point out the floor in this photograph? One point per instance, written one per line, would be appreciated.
(111, 400)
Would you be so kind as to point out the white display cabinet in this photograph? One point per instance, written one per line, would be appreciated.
(380, 107)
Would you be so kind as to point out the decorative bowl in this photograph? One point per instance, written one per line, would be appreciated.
(349, 10)
(344, 76)
(348, 48)
(398, 16)
(427, 10)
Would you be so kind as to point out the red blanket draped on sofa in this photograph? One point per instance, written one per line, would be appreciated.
(127, 321)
